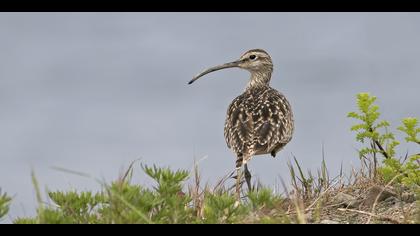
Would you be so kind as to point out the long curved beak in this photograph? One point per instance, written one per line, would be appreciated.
(215, 68)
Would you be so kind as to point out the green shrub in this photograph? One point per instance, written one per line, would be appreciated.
(409, 127)
(264, 198)
(122, 202)
(222, 208)
(406, 172)
(75, 207)
(370, 129)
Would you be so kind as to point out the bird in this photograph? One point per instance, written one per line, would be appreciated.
(260, 120)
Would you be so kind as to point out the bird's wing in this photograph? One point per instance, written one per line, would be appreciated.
(238, 125)
(258, 121)
(272, 118)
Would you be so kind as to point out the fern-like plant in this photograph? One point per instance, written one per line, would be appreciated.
(380, 140)
(407, 172)
(369, 129)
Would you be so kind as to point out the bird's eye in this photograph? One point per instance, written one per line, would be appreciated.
(252, 57)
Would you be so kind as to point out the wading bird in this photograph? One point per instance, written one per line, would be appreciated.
(260, 120)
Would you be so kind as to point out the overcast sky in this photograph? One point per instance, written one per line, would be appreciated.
(92, 92)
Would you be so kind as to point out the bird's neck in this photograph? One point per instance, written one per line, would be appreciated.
(259, 79)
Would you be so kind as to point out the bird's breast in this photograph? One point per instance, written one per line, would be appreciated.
(257, 121)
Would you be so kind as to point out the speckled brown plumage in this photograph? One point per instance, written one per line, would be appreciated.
(260, 120)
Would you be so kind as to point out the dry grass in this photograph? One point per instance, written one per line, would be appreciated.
(317, 199)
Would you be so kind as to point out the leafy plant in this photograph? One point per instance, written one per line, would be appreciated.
(120, 202)
(405, 172)
(264, 198)
(369, 130)
(409, 127)
(4, 204)
(77, 207)
(408, 171)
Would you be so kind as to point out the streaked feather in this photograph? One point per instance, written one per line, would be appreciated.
(259, 121)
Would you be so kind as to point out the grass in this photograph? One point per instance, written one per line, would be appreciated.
(384, 190)
(4, 204)
(311, 199)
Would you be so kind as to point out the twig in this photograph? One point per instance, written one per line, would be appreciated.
(387, 218)
(379, 146)
(382, 149)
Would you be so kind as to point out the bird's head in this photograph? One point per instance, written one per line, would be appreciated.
(255, 61)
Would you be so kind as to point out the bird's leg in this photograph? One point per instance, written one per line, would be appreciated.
(248, 177)
(238, 182)
(239, 163)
